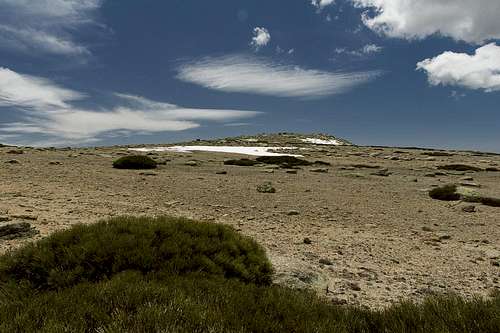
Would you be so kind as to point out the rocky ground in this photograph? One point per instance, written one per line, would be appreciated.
(360, 231)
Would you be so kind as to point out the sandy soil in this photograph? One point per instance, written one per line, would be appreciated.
(374, 239)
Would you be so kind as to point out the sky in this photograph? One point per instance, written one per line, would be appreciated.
(420, 73)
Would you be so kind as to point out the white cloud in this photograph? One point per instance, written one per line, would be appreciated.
(45, 26)
(473, 21)
(33, 92)
(247, 74)
(320, 4)
(46, 109)
(478, 71)
(261, 38)
(364, 51)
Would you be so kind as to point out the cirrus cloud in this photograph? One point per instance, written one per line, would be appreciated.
(45, 26)
(254, 75)
(46, 109)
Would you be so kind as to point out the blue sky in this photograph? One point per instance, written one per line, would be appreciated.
(376, 72)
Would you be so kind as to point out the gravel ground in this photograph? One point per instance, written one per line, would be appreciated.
(353, 236)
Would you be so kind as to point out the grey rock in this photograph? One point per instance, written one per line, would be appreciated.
(469, 209)
(319, 170)
(266, 187)
(325, 261)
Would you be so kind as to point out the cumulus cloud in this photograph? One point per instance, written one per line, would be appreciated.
(47, 109)
(473, 21)
(320, 4)
(248, 74)
(478, 71)
(45, 26)
(261, 38)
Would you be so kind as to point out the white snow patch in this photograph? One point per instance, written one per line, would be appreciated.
(323, 142)
(253, 151)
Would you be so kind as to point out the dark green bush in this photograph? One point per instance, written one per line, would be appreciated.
(288, 161)
(446, 193)
(153, 246)
(130, 303)
(487, 201)
(135, 162)
(241, 162)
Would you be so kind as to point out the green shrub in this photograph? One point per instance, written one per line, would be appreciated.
(241, 162)
(286, 161)
(446, 193)
(130, 303)
(493, 202)
(153, 246)
(135, 162)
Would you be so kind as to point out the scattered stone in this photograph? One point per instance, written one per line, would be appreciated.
(266, 187)
(325, 261)
(13, 162)
(319, 170)
(148, 174)
(15, 152)
(4, 219)
(55, 163)
(322, 163)
(470, 184)
(427, 229)
(25, 217)
(382, 173)
(444, 237)
(293, 213)
(467, 179)
(366, 166)
(191, 163)
(293, 172)
(221, 173)
(17, 230)
(307, 240)
(469, 209)
(459, 167)
(495, 263)
(354, 286)
(436, 153)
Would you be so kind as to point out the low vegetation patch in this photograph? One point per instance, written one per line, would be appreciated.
(176, 275)
(161, 246)
(135, 162)
(446, 193)
(284, 161)
(452, 192)
(437, 153)
(459, 167)
(493, 202)
(241, 162)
